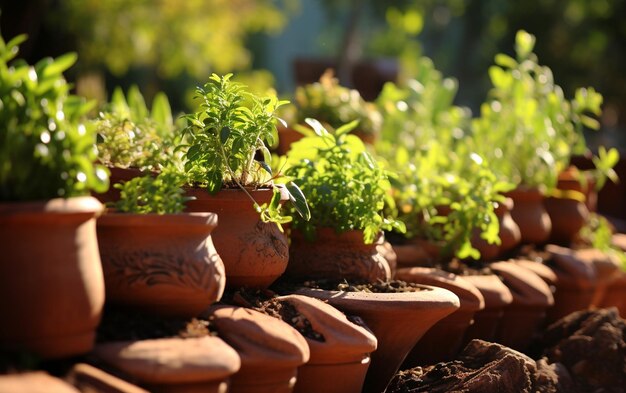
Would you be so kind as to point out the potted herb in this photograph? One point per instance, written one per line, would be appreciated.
(227, 168)
(528, 130)
(333, 105)
(155, 257)
(347, 192)
(51, 286)
(132, 140)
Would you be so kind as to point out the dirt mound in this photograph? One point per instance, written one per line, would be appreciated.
(484, 367)
(591, 344)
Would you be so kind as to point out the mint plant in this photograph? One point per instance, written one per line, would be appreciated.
(46, 151)
(345, 187)
(225, 144)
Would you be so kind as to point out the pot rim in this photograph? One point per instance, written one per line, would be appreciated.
(79, 204)
(116, 219)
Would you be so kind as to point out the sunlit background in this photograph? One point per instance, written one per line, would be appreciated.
(173, 45)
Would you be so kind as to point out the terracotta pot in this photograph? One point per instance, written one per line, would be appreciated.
(530, 215)
(569, 180)
(255, 253)
(418, 311)
(34, 382)
(576, 282)
(201, 364)
(88, 378)
(443, 341)
(531, 299)
(509, 234)
(162, 264)
(270, 350)
(615, 295)
(286, 136)
(338, 364)
(119, 175)
(497, 297)
(568, 216)
(385, 249)
(336, 256)
(416, 252)
(51, 283)
(607, 267)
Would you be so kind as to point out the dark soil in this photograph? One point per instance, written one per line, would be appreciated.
(265, 301)
(481, 367)
(393, 286)
(119, 324)
(466, 268)
(592, 345)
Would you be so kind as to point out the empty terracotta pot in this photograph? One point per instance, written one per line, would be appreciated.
(497, 297)
(162, 264)
(530, 215)
(336, 256)
(254, 253)
(398, 320)
(171, 365)
(576, 282)
(340, 360)
(51, 283)
(445, 338)
(270, 350)
(509, 234)
(531, 299)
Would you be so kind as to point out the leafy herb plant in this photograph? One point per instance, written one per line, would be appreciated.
(147, 194)
(225, 144)
(345, 187)
(45, 149)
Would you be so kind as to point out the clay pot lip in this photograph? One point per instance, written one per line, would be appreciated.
(352, 236)
(79, 204)
(116, 219)
(261, 194)
(429, 298)
(504, 207)
(525, 194)
(527, 287)
(495, 293)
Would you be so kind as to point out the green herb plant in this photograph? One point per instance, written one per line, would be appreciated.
(598, 233)
(130, 135)
(346, 189)
(225, 145)
(335, 105)
(45, 149)
(148, 194)
(527, 129)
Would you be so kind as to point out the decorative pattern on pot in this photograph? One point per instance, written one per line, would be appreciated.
(336, 256)
(497, 297)
(173, 364)
(531, 299)
(444, 340)
(51, 282)
(163, 264)
(417, 311)
(270, 350)
(255, 253)
(340, 358)
(530, 215)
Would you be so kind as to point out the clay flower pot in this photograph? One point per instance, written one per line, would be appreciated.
(336, 256)
(568, 216)
(497, 297)
(119, 175)
(530, 215)
(162, 264)
(270, 350)
(444, 340)
(201, 364)
(338, 364)
(398, 320)
(34, 382)
(416, 252)
(286, 136)
(88, 378)
(531, 299)
(509, 234)
(576, 282)
(255, 253)
(51, 283)
(615, 295)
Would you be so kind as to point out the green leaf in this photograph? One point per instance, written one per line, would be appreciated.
(161, 110)
(60, 64)
(137, 105)
(224, 134)
(318, 128)
(346, 128)
(265, 166)
(296, 196)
